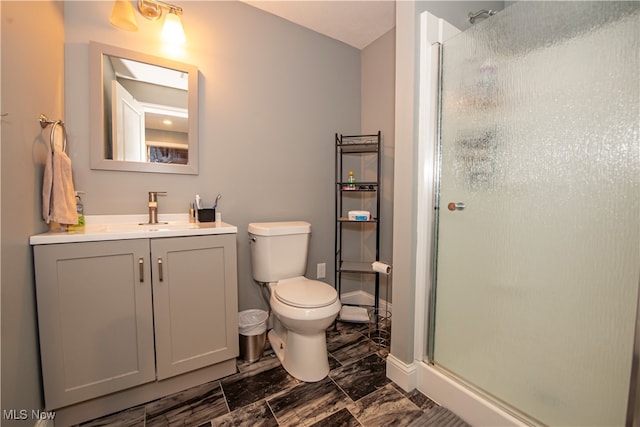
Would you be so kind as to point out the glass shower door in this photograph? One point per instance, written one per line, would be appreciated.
(539, 212)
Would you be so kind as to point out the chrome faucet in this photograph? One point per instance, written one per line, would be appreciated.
(153, 205)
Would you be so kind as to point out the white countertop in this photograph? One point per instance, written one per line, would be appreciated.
(119, 227)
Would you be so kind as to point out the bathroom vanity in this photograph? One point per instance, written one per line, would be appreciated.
(129, 313)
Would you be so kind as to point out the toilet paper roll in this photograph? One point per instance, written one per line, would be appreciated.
(381, 267)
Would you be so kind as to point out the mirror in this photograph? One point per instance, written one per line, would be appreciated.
(144, 112)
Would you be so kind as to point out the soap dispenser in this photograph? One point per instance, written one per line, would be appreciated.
(80, 209)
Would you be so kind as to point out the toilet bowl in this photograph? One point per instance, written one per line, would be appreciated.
(299, 335)
(303, 308)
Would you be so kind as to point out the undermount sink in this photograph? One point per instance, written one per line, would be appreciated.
(161, 226)
(169, 226)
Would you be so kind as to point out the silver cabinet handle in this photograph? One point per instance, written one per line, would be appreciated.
(141, 268)
(455, 206)
(160, 269)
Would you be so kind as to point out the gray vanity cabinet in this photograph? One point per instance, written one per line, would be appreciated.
(194, 301)
(95, 318)
(115, 315)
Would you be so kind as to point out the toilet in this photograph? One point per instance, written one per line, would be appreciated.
(303, 308)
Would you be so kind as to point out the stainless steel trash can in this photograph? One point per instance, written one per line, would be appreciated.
(252, 326)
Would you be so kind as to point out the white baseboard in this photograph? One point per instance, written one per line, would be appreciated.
(363, 298)
(454, 396)
(448, 393)
(402, 374)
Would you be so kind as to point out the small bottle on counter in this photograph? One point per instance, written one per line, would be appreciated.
(80, 209)
(192, 214)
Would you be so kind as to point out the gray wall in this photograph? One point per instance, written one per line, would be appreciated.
(378, 108)
(272, 96)
(32, 83)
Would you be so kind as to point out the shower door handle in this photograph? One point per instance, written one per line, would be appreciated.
(455, 206)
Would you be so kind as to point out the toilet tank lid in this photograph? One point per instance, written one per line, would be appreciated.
(279, 228)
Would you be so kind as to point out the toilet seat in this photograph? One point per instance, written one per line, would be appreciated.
(305, 293)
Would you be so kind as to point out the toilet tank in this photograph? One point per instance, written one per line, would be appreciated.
(279, 249)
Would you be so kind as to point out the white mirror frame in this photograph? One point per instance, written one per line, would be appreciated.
(97, 51)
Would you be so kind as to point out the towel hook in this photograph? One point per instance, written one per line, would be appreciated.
(44, 122)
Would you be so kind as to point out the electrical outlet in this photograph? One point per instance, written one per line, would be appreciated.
(321, 273)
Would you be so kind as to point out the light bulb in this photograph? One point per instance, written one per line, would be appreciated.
(172, 30)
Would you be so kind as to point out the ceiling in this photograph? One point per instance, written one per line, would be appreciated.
(354, 22)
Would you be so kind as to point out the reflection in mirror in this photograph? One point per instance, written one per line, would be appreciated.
(149, 112)
(144, 112)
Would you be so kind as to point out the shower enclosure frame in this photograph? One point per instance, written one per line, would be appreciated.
(459, 397)
(444, 389)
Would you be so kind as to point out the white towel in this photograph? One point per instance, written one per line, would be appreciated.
(58, 194)
(354, 314)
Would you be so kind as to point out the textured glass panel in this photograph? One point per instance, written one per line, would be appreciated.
(538, 275)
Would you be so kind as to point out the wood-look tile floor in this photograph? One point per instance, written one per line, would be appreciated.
(356, 393)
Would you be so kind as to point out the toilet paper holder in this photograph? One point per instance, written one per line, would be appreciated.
(380, 333)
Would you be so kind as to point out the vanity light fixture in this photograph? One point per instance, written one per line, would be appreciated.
(172, 30)
(123, 17)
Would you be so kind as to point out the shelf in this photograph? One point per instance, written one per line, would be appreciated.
(359, 186)
(359, 143)
(346, 219)
(363, 154)
(358, 148)
(357, 267)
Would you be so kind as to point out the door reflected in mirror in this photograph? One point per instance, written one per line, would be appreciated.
(144, 112)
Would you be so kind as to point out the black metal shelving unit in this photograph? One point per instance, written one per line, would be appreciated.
(354, 146)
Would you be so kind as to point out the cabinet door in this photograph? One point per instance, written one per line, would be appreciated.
(94, 318)
(195, 302)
